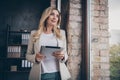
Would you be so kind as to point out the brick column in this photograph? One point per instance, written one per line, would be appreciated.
(100, 40)
(53, 3)
(74, 38)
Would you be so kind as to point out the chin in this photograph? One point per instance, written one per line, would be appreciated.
(53, 24)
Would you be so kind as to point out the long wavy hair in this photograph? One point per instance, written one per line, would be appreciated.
(42, 24)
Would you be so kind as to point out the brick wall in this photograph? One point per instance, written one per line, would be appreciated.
(100, 40)
(74, 38)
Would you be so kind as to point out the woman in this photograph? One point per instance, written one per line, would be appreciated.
(48, 34)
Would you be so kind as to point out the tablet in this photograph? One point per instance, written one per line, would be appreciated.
(49, 50)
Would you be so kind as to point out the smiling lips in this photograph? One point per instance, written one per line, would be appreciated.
(54, 21)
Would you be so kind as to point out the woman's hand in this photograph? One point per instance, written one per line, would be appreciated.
(39, 57)
(59, 55)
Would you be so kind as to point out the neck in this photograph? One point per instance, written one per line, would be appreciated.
(49, 29)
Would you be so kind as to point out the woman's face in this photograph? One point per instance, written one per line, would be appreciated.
(53, 18)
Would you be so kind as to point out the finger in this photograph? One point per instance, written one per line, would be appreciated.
(59, 56)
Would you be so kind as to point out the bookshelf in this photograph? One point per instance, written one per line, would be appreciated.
(18, 15)
(15, 63)
(17, 44)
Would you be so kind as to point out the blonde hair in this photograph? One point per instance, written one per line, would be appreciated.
(42, 24)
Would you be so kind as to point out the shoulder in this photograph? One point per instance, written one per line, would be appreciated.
(63, 34)
(33, 32)
(62, 31)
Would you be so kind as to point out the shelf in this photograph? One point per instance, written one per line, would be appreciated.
(16, 71)
(17, 58)
(13, 58)
(17, 44)
(18, 31)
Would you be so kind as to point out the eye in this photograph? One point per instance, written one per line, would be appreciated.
(52, 14)
(57, 15)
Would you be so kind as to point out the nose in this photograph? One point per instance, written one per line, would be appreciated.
(55, 17)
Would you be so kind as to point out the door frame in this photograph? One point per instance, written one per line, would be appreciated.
(86, 40)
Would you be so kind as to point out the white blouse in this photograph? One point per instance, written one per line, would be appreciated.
(49, 66)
